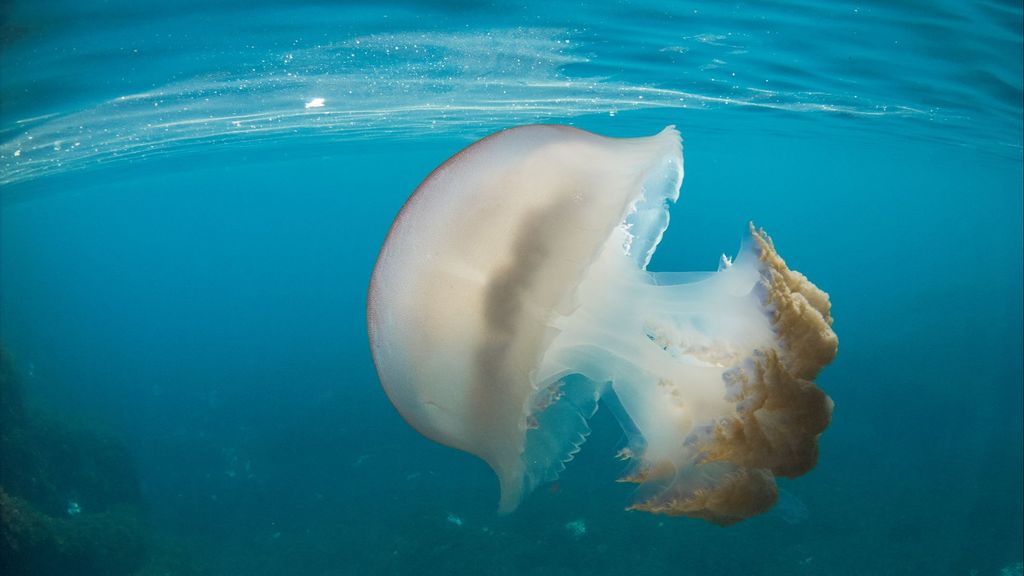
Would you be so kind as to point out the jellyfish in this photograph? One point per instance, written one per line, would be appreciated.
(511, 299)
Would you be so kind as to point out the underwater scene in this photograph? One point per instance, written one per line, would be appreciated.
(539, 288)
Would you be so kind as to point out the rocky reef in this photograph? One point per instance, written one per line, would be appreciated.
(69, 496)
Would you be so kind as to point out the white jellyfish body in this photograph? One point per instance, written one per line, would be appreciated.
(511, 298)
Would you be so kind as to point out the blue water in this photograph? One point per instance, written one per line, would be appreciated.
(187, 236)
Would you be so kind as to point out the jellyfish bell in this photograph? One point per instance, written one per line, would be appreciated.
(511, 299)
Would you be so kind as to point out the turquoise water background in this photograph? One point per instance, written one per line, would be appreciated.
(187, 236)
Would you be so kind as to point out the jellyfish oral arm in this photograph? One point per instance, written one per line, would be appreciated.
(711, 378)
